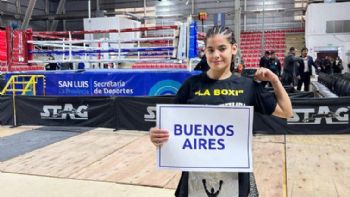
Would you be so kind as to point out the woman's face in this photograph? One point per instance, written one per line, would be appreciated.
(219, 52)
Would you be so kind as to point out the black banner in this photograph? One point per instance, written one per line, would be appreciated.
(320, 116)
(265, 124)
(66, 111)
(138, 113)
(6, 110)
(311, 115)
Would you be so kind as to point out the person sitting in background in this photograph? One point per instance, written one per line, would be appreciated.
(66, 66)
(51, 65)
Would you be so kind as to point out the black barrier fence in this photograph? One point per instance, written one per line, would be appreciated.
(321, 115)
(311, 115)
(6, 110)
(138, 113)
(66, 111)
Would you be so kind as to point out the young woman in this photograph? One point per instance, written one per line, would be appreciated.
(220, 50)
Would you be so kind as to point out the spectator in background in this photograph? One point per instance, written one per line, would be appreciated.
(332, 60)
(110, 65)
(51, 65)
(338, 65)
(290, 70)
(264, 62)
(327, 65)
(319, 64)
(305, 69)
(66, 66)
(239, 68)
(275, 64)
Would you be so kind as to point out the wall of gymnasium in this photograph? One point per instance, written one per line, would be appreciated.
(251, 18)
(180, 9)
(316, 37)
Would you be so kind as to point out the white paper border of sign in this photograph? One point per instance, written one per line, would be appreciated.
(248, 162)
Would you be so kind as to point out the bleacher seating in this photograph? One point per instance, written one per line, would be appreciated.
(252, 51)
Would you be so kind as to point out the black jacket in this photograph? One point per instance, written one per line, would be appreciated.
(264, 62)
(291, 65)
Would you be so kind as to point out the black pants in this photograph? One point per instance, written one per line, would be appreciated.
(304, 78)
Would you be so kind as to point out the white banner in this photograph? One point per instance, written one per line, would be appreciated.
(206, 138)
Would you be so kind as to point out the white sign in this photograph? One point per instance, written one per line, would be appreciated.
(206, 138)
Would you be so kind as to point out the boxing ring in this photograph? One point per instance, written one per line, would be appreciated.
(112, 46)
(145, 47)
(162, 59)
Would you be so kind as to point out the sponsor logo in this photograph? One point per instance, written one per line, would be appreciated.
(316, 115)
(73, 84)
(165, 87)
(63, 112)
(151, 116)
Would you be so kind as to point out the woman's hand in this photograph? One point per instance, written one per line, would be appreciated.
(158, 136)
(264, 74)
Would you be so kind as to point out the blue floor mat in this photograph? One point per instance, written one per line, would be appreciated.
(27, 141)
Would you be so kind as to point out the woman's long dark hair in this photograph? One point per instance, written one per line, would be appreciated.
(228, 33)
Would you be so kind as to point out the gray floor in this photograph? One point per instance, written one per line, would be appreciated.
(21, 143)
